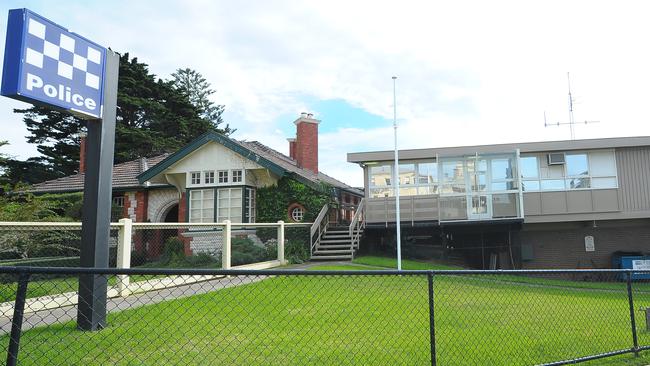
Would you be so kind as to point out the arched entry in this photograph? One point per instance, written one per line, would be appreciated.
(172, 214)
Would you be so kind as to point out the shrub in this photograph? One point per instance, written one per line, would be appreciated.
(173, 248)
(138, 258)
(296, 251)
(244, 251)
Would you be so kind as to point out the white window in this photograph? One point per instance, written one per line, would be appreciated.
(195, 178)
(297, 213)
(118, 201)
(237, 176)
(223, 176)
(208, 177)
(250, 204)
(229, 204)
(582, 170)
(201, 205)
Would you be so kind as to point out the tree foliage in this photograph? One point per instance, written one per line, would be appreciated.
(153, 116)
(193, 84)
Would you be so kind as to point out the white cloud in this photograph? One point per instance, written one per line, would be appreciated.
(470, 72)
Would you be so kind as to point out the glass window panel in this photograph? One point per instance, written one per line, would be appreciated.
(578, 183)
(552, 171)
(504, 205)
(381, 192)
(576, 165)
(432, 189)
(529, 167)
(452, 171)
(380, 175)
(410, 191)
(406, 174)
(503, 186)
(501, 168)
(610, 182)
(552, 184)
(453, 208)
(479, 205)
(427, 173)
(602, 164)
(530, 185)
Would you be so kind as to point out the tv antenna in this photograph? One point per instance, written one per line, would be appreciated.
(572, 122)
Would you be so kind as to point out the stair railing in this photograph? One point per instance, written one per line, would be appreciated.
(356, 226)
(318, 228)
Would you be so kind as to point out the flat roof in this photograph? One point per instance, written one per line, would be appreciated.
(524, 147)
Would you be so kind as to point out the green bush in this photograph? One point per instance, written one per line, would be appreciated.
(244, 251)
(296, 251)
(173, 248)
(138, 258)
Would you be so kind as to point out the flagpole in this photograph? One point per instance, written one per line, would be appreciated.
(398, 222)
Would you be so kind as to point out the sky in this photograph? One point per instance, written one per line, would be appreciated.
(468, 72)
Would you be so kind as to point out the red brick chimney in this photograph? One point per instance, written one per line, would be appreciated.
(82, 153)
(292, 148)
(306, 144)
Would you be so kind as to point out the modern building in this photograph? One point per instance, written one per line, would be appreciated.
(559, 204)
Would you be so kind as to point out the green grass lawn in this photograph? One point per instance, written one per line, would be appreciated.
(360, 320)
(406, 263)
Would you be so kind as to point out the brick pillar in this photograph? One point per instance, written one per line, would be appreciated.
(292, 148)
(182, 214)
(306, 146)
(82, 153)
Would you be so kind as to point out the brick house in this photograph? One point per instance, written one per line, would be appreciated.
(214, 178)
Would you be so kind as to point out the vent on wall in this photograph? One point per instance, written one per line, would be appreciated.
(556, 159)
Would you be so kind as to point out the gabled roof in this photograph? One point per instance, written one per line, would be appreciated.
(135, 173)
(124, 177)
(202, 140)
(261, 154)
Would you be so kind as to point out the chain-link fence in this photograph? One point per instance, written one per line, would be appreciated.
(56, 244)
(292, 317)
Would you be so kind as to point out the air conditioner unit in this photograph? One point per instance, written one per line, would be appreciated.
(556, 159)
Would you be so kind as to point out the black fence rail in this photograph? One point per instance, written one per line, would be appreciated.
(291, 317)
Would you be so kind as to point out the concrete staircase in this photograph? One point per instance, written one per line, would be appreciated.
(334, 245)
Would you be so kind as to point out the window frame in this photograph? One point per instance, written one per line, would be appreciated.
(191, 178)
(208, 177)
(566, 178)
(223, 176)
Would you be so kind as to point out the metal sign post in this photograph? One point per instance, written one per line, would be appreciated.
(46, 64)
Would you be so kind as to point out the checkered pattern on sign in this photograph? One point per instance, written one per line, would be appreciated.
(64, 46)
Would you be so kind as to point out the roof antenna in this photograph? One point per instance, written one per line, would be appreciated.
(572, 121)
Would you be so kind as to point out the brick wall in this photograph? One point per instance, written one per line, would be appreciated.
(307, 144)
(557, 247)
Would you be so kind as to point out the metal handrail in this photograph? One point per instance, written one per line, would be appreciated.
(320, 225)
(356, 225)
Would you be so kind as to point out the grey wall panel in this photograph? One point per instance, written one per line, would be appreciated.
(605, 200)
(554, 203)
(532, 203)
(579, 201)
(633, 165)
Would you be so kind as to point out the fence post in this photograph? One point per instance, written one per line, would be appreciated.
(635, 340)
(281, 242)
(225, 248)
(124, 254)
(17, 321)
(432, 328)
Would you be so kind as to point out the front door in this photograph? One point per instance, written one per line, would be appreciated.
(479, 206)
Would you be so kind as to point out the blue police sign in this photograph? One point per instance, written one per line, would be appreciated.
(46, 64)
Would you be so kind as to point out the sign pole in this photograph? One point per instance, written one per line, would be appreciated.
(95, 229)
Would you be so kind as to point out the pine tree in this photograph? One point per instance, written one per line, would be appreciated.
(153, 116)
(198, 90)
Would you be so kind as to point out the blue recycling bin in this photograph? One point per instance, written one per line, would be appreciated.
(637, 262)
